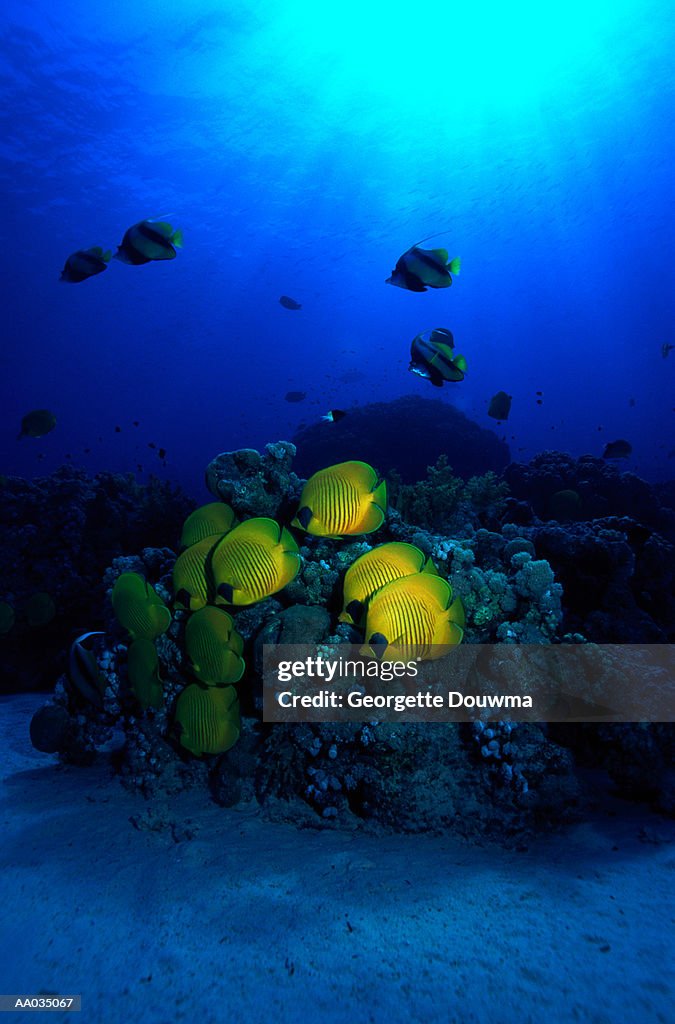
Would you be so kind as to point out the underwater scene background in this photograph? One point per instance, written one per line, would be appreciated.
(301, 152)
(348, 326)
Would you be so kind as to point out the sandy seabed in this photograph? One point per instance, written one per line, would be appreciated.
(217, 915)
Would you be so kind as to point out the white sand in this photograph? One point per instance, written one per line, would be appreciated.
(253, 922)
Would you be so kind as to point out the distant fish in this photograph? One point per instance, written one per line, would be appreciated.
(418, 269)
(617, 450)
(631, 402)
(432, 357)
(37, 423)
(288, 303)
(334, 415)
(666, 349)
(295, 396)
(85, 263)
(500, 406)
(147, 241)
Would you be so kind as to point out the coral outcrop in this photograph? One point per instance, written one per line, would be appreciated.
(427, 428)
(59, 533)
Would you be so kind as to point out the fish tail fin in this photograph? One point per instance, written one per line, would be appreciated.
(177, 239)
(373, 517)
(456, 613)
(454, 265)
(106, 256)
(380, 494)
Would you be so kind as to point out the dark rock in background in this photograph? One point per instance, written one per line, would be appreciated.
(405, 435)
(602, 488)
(616, 563)
(59, 533)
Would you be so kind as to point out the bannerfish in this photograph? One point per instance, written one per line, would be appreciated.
(85, 263)
(342, 500)
(295, 396)
(432, 357)
(37, 423)
(147, 241)
(83, 670)
(418, 269)
(500, 406)
(288, 303)
(334, 415)
(617, 449)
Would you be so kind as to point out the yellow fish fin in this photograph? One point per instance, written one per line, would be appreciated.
(260, 528)
(289, 568)
(361, 475)
(434, 587)
(460, 363)
(430, 567)
(288, 542)
(456, 613)
(380, 494)
(454, 265)
(372, 519)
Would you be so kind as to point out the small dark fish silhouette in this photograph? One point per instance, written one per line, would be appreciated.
(288, 303)
(37, 423)
(334, 415)
(500, 406)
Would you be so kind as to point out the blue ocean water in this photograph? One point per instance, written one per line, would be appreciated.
(302, 148)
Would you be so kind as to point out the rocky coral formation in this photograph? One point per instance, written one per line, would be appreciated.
(443, 501)
(430, 428)
(255, 484)
(609, 540)
(60, 532)
(603, 490)
(495, 779)
(618, 578)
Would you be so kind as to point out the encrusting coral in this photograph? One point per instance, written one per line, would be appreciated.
(493, 778)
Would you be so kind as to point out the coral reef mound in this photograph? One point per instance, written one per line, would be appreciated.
(402, 435)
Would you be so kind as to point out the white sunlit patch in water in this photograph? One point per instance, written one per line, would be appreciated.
(431, 57)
